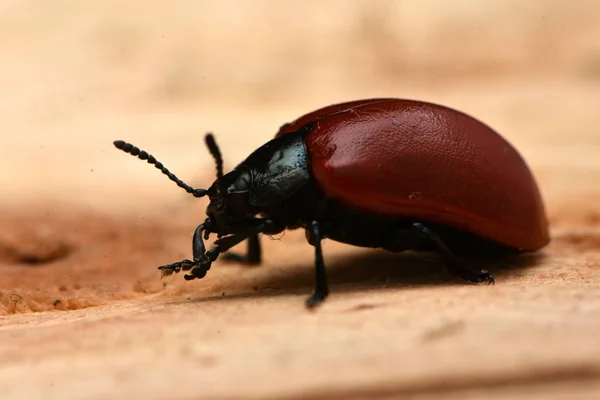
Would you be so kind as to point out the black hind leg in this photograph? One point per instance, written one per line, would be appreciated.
(419, 233)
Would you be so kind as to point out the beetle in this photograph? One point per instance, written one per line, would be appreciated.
(388, 173)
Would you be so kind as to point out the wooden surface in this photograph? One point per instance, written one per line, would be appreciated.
(83, 311)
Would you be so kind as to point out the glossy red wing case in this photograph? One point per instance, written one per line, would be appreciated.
(423, 161)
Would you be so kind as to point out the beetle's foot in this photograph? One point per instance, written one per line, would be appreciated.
(316, 299)
(169, 269)
(238, 258)
(476, 277)
(196, 273)
(199, 270)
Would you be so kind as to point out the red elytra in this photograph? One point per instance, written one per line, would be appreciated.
(420, 160)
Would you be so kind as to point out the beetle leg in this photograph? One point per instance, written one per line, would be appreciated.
(449, 260)
(198, 250)
(200, 269)
(203, 259)
(321, 289)
(203, 263)
(253, 254)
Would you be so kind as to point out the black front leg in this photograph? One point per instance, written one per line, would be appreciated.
(203, 259)
(198, 252)
(200, 269)
(452, 264)
(321, 290)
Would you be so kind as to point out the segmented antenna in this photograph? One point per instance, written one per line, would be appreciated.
(142, 155)
(216, 153)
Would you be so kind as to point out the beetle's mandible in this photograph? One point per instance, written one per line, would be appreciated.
(380, 173)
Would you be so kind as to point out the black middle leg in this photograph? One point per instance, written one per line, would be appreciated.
(321, 290)
(253, 254)
(420, 232)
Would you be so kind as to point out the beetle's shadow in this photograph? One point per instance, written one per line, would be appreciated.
(372, 269)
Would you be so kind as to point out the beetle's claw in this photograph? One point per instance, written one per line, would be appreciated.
(477, 277)
(198, 272)
(169, 269)
(483, 276)
(315, 300)
(198, 269)
(166, 270)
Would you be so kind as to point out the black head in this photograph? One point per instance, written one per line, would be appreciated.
(269, 175)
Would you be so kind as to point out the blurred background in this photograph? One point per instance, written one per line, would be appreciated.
(83, 224)
(76, 75)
